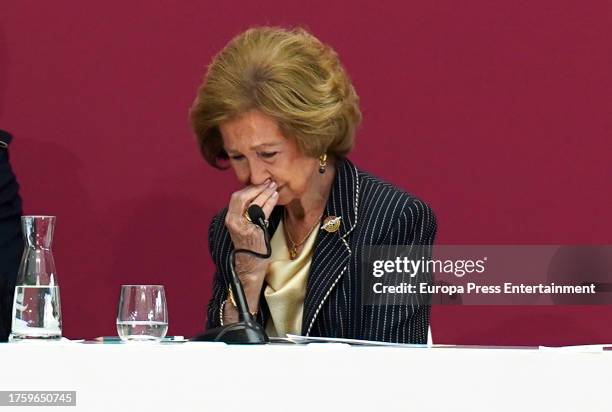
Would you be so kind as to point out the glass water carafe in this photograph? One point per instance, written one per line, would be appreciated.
(36, 306)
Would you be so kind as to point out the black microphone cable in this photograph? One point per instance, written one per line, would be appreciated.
(257, 216)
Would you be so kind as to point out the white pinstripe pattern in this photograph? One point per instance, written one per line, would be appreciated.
(373, 213)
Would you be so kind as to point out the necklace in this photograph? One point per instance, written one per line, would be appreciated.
(293, 246)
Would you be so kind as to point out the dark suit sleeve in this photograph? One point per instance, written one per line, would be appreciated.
(213, 318)
(11, 242)
(419, 223)
(401, 321)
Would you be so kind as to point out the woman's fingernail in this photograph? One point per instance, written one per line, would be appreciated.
(273, 185)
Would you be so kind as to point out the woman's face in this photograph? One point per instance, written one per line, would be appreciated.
(258, 151)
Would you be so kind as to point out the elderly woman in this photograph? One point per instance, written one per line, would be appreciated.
(279, 108)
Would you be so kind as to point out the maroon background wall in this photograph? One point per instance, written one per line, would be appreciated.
(496, 113)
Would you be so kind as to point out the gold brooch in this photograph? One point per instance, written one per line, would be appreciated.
(331, 224)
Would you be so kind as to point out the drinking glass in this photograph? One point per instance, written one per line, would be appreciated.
(142, 314)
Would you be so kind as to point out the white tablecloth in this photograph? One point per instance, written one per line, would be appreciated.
(317, 377)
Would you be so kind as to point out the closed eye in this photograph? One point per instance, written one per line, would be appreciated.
(236, 157)
(267, 155)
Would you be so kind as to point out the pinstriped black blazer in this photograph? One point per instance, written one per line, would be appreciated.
(11, 242)
(373, 212)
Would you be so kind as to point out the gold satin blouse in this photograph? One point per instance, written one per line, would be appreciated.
(286, 284)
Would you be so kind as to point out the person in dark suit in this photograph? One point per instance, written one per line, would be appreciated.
(278, 108)
(11, 241)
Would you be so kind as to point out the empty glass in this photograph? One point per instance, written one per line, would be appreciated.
(142, 314)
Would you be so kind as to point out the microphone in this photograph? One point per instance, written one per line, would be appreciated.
(257, 216)
(246, 330)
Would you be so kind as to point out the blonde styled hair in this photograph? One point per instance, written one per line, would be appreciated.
(288, 75)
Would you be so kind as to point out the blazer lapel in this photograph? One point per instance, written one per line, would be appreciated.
(274, 220)
(332, 252)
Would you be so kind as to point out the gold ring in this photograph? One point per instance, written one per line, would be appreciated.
(246, 216)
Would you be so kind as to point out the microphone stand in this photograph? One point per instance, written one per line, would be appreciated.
(246, 330)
